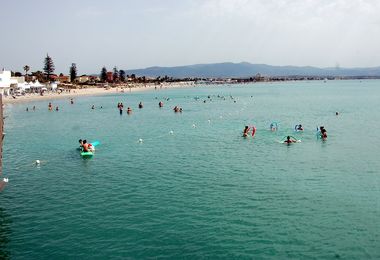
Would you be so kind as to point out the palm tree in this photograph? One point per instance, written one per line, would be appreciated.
(26, 68)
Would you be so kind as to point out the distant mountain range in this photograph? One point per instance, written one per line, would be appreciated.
(245, 69)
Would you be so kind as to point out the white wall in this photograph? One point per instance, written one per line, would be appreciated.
(5, 82)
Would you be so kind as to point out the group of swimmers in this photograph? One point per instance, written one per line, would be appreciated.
(34, 108)
(120, 106)
(86, 147)
(322, 132)
(50, 107)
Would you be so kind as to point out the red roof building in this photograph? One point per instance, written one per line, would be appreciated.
(109, 76)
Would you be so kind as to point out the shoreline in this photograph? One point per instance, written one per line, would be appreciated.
(92, 91)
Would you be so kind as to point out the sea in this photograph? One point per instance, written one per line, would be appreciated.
(167, 185)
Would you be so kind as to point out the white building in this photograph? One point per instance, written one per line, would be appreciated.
(5, 82)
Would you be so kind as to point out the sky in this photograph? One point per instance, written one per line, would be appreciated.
(143, 33)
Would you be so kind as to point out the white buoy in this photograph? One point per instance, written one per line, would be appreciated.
(140, 140)
(5, 179)
(171, 132)
(38, 162)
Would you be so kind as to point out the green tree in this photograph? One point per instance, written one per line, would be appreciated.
(122, 75)
(73, 72)
(39, 75)
(49, 66)
(115, 75)
(103, 74)
(26, 69)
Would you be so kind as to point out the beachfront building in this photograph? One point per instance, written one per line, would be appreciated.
(110, 76)
(63, 79)
(82, 79)
(7, 82)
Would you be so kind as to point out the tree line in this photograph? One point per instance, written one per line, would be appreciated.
(114, 76)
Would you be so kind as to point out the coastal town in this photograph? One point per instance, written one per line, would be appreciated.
(14, 85)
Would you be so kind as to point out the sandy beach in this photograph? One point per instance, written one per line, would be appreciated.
(92, 91)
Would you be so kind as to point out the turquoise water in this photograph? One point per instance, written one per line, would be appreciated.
(202, 191)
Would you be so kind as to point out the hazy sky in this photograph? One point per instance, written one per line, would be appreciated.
(143, 33)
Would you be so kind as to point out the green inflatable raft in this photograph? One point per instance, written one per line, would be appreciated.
(86, 154)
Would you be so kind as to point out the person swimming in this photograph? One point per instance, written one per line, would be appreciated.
(323, 132)
(245, 131)
(160, 104)
(80, 143)
(129, 110)
(289, 140)
(141, 105)
(273, 126)
(299, 127)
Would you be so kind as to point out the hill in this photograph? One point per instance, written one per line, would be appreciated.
(245, 69)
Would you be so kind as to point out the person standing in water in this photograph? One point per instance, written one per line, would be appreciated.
(323, 132)
(141, 105)
(50, 106)
(160, 104)
(120, 106)
(245, 131)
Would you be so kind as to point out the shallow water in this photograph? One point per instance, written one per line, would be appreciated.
(202, 191)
